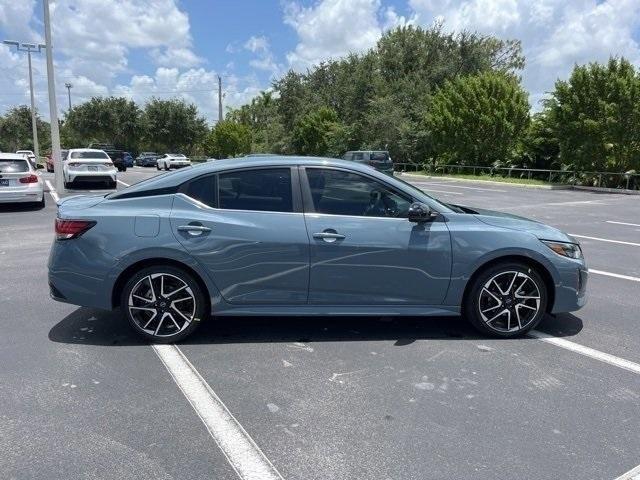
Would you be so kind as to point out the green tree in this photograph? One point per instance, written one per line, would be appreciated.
(172, 126)
(228, 139)
(103, 119)
(319, 133)
(16, 131)
(596, 117)
(477, 120)
(540, 147)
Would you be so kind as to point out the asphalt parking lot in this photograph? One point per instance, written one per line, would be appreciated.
(331, 398)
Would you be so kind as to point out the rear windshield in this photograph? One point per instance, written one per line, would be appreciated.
(380, 156)
(89, 155)
(11, 166)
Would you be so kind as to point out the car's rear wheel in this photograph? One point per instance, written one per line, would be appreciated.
(166, 167)
(163, 303)
(506, 300)
(158, 167)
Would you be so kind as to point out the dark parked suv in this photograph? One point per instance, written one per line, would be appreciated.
(378, 159)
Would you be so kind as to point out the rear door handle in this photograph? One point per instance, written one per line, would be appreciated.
(194, 229)
(328, 237)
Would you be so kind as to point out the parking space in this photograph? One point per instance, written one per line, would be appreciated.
(332, 397)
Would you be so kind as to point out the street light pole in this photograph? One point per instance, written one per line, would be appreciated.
(68, 85)
(30, 47)
(53, 106)
(220, 114)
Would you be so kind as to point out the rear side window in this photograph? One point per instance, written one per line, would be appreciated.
(380, 156)
(267, 189)
(202, 189)
(12, 166)
(358, 156)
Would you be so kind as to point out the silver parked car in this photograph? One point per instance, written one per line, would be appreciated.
(305, 236)
(19, 180)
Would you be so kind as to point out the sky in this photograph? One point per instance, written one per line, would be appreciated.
(168, 48)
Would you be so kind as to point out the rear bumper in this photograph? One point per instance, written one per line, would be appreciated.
(100, 176)
(24, 195)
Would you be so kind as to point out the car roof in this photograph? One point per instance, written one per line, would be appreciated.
(86, 150)
(11, 156)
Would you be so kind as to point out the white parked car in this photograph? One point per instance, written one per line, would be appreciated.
(29, 154)
(172, 160)
(19, 180)
(87, 165)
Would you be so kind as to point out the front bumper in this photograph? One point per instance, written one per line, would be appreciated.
(571, 289)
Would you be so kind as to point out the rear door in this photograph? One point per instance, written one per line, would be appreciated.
(247, 229)
(364, 250)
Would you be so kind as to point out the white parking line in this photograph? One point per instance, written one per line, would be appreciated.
(587, 351)
(122, 183)
(606, 240)
(451, 185)
(241, 451)
(52, 191)
(426, 189)
(614, 275)
(633, 474)
(624, 223)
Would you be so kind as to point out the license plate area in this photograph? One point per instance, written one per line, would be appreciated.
(4, 182)
(92, 169)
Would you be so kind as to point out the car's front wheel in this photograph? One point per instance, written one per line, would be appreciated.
(506, 300)
(164, 304)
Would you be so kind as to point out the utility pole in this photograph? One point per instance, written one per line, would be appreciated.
(53, 106)
(30, 47)
(220, 114)
(68, 85)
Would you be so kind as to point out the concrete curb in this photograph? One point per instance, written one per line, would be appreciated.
(440, 177)
(619, 191)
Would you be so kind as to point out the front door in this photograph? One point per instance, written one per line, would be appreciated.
(247, 229)
(363, 250)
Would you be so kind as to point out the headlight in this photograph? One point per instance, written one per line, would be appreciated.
(566, 249)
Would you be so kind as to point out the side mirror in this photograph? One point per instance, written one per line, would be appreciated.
(419, 213)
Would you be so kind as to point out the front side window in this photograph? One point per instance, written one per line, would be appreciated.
(336, 192)
(358, 156)
(267, 189)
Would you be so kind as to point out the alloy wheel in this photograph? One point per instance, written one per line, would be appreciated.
(162, 305)
(509, 301)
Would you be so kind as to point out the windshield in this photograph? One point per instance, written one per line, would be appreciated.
(100, 155)
(414, 189)
(13, 166)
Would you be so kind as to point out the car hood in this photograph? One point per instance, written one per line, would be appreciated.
(515, 222)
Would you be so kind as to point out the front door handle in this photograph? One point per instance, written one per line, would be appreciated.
(194, 230)
(328, 237)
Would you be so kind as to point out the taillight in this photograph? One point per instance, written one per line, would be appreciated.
(30, 179)
(68, 229)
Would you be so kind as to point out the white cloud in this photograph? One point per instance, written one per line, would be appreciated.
(332, 28)
(196, 85)
(176, 57)
(555, 34)
(264, 59)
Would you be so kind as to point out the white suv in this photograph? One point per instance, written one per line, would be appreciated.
(84, 165)
(172, 160)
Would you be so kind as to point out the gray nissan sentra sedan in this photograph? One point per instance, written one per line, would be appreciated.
(305, 236)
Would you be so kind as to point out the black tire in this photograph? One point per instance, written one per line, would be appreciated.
(41, 204)
(486, 302)
(167, 167)
(112, 185)
(158, 167)
(165, 331)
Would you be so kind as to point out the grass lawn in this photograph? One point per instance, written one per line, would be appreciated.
(496, 178)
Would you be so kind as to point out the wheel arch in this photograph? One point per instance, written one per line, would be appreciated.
(122, 278)
(535, 264)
